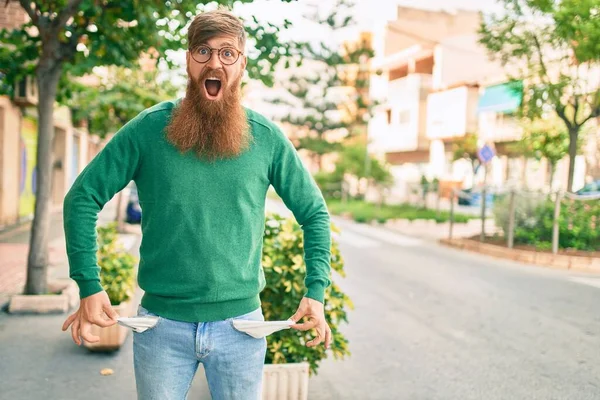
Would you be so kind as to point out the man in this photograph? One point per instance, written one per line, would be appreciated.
(202, 166)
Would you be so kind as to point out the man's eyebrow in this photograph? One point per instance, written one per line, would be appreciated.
(223, 44)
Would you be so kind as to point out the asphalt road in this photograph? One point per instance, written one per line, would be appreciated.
(429, 323)
(436, 323)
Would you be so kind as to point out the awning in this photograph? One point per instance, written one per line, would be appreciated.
(501, 98)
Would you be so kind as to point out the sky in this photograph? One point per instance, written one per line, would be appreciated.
(370, 15)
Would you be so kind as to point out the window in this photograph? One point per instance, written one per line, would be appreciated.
(404, 117)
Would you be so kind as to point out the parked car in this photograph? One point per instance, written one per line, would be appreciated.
(591, 189)
(474, 199)
(133, 214)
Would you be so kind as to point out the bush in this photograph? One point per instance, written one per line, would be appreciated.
(117, 266)
(525, 211)
(578, 225)
(284, 268)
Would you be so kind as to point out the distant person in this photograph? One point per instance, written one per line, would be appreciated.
(202, 166)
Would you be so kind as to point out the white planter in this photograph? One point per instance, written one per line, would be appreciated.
(285, 381)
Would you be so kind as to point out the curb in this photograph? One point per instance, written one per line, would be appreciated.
(549, 260)
(47, 303)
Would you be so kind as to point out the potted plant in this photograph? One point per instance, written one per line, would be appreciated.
(117, 276)
(288, 361)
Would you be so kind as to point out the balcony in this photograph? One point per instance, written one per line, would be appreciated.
(399, 124)
(452, 113)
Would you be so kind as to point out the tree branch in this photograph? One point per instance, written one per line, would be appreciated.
(593, 114)
(26, 5)
(67, 12)
(560, 111)
(541, 57)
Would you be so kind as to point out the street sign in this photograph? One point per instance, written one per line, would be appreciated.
(485, 154)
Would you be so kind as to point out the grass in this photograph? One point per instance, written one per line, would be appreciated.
(362, 211)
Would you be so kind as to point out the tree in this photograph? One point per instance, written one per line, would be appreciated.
(67, 38)
(335, 97)
(555, 48)
(314, 120)
(466, 148)
(122, 95)
(352, 161)
(545, 138)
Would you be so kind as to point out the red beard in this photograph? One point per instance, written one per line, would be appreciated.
(214, 129)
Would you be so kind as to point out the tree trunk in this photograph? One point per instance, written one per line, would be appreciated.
(48, 75)
(552, 172)
(573, 133)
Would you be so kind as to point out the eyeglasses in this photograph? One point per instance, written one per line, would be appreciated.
(227, 55)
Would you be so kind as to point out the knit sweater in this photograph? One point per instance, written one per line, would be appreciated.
(202, 221)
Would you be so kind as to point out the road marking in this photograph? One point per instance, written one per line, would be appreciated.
(586, 281)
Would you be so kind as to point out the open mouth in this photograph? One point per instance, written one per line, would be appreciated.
(213, 87)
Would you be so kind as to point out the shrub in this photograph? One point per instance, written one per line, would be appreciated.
(117, 266)
(578, 224)
(284, 269)
(525, 211)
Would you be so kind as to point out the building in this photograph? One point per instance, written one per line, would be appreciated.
(437, 85)
(426, 67)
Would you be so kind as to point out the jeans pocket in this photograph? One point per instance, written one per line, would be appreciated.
(256, 315)
(142, 312)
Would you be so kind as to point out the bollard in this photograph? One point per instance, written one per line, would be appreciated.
(555, 223)
(483, 196)
(511, 220)
(451, 214)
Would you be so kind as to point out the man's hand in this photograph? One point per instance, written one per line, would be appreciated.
(92, 310)
(315, 312)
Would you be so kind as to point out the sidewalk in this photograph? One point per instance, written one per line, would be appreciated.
(44, 362)
(14, 249)
(38, 359)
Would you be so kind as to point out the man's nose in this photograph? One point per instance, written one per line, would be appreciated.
(214, 61)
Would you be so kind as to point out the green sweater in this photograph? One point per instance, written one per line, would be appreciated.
(202, 222)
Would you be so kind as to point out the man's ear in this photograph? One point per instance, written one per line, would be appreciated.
(187, 63)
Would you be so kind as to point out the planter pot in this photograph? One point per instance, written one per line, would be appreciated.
(65, 298)
(113, 337)
(285, 381)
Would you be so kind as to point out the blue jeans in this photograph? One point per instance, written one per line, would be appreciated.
(166, 358)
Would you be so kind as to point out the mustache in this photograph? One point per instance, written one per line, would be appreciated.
(213, 73)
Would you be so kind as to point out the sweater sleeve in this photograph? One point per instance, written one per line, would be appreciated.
(298, 190)
(108, 173)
